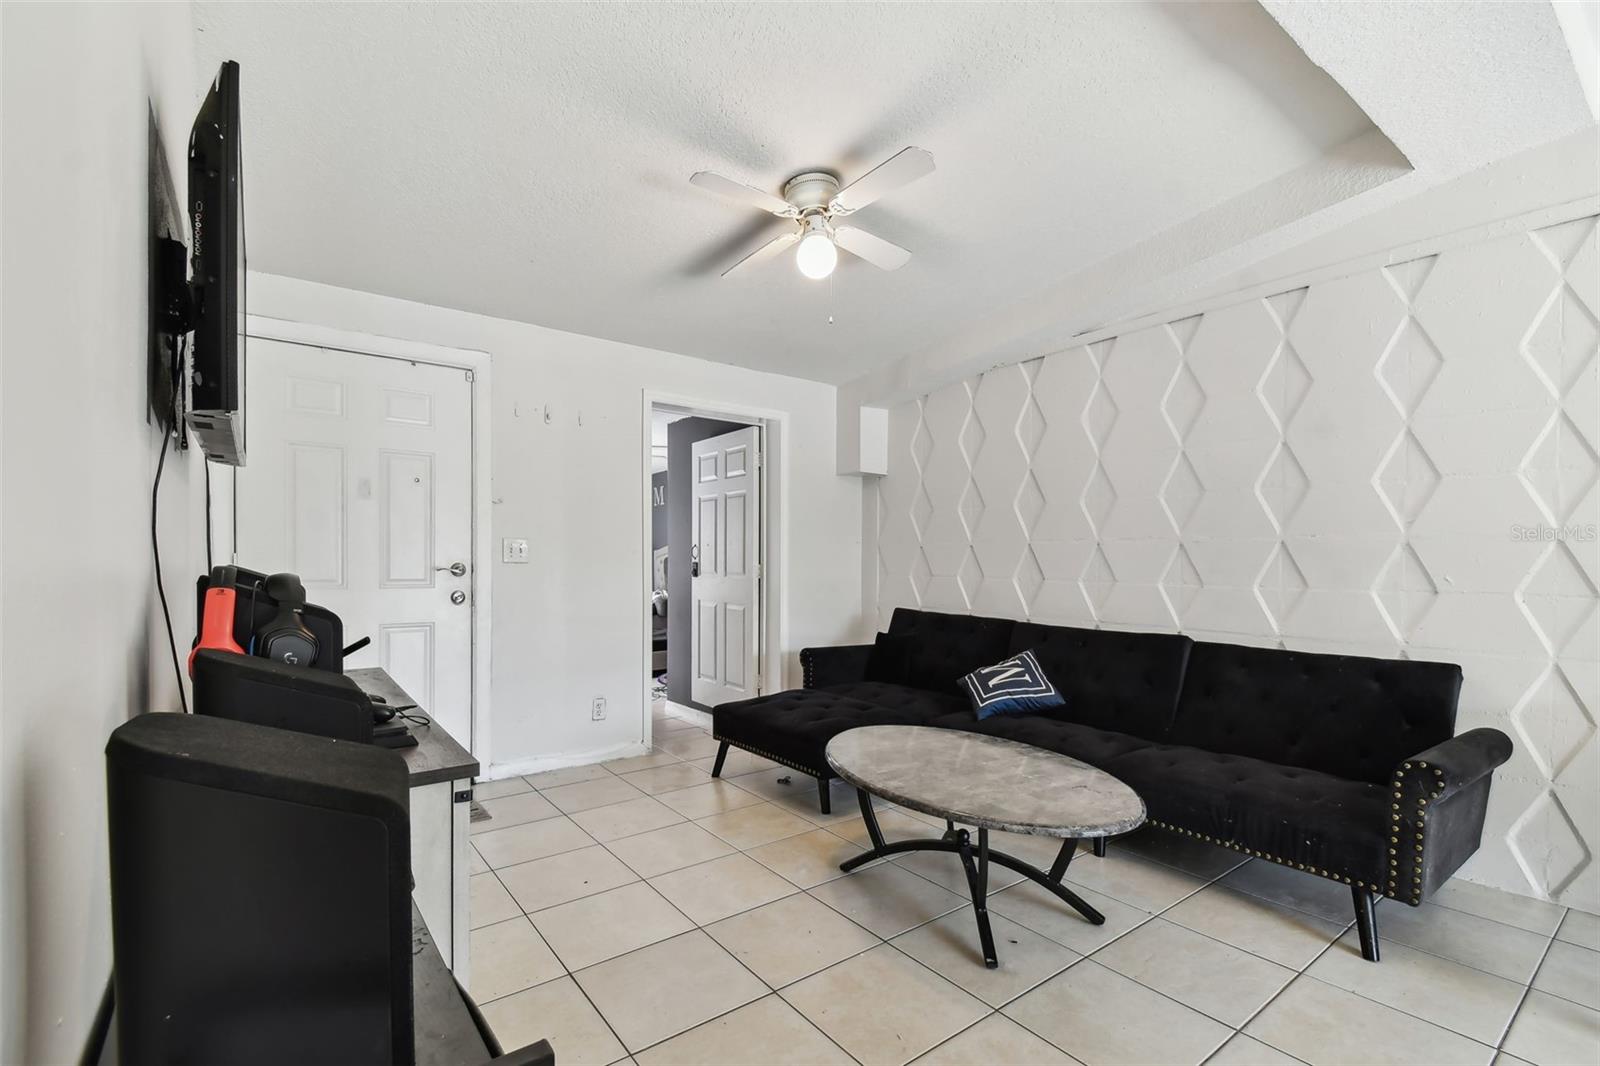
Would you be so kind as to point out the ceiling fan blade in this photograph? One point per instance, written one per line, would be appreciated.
(904, 167)
(743, 194)
(875, 250)
(766, 251)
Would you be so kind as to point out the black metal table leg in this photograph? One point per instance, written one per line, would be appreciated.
(978, 885)
(958, 841)
(1058, 869)
(876, 834)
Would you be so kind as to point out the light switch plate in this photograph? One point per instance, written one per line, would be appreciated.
(513, 550)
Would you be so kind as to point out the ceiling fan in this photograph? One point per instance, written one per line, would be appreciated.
(814, 201)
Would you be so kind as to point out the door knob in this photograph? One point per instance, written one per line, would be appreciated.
(458, 569)
(458, 597)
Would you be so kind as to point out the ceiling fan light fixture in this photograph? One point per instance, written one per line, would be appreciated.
(813, 200)
(816, 256)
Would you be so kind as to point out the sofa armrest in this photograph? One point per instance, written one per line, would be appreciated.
(1435, 775)
(1436, 810)
(834, 666)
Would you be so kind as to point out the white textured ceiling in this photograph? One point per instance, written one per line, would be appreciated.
(531, 161)
(1485, 102)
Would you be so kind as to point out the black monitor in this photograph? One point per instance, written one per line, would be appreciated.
(248, 688)
(215, 411)
(260, 895)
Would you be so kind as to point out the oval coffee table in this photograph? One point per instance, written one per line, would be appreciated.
(988, 783)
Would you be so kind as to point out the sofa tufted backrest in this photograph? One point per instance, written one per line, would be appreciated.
(1124, 682)
(946, 647)
(1346, 715)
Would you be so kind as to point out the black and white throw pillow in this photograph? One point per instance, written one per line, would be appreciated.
(1017, 685)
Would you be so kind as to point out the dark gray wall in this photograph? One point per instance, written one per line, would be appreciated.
(681, 436)
(658, 511)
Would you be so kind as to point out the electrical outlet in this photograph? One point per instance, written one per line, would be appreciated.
(513, 550)
(597, 709)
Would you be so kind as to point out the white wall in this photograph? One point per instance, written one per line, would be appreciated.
(1349, 465)
(83, 647)
(569, 626)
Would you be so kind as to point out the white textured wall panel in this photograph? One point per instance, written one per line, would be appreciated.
(1399, 462)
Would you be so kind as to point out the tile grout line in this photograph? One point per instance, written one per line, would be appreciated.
(1090, 956)
(881, 941)
(1551, 946)
(1468, 965)
(887, 941)
(831, 827)
(695, 927)
(1526, 991)
(698, 927)
(1082, 956)
(1299, 974)
(566, 973)
(1307, 975)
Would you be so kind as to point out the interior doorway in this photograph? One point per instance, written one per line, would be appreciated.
(708, 558)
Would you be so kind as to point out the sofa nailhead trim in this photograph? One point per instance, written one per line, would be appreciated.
(1419, 825)
(1329, 874)
(808, 771)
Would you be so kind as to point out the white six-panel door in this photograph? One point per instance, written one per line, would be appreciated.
(360, 481)
(727, 521)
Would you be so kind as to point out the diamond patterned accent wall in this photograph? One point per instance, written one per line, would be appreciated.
(1400, 462)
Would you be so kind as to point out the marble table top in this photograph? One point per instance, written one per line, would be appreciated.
(985, 781)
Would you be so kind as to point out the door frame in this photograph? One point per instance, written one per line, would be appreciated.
(479, 364)
(771, 622)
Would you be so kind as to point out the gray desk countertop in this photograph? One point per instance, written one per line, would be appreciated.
(438, 756)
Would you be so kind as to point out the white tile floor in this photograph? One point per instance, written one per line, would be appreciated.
(640, 911)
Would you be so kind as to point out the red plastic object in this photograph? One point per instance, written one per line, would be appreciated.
(216, 624)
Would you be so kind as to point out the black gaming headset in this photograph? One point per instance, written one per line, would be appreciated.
(285, 638)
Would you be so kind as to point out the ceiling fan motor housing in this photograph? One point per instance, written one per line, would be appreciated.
(811, 191)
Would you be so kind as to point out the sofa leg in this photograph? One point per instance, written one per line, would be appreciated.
(1099, 847)
(824, 794)
(1366, 921)
(722, 753)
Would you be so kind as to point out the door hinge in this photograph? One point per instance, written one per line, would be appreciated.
(470, 376)
(463, 795)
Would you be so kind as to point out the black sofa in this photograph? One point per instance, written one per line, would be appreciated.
(1341, 766)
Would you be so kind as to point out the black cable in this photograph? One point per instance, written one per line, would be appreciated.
(155, 548)
(155, 537)
(250, 617)
(206, 463)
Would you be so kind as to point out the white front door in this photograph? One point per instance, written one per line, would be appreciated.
(726, 567)
(360, 481)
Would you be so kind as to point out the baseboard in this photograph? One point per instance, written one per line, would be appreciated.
(523, 767)
(689, 714)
